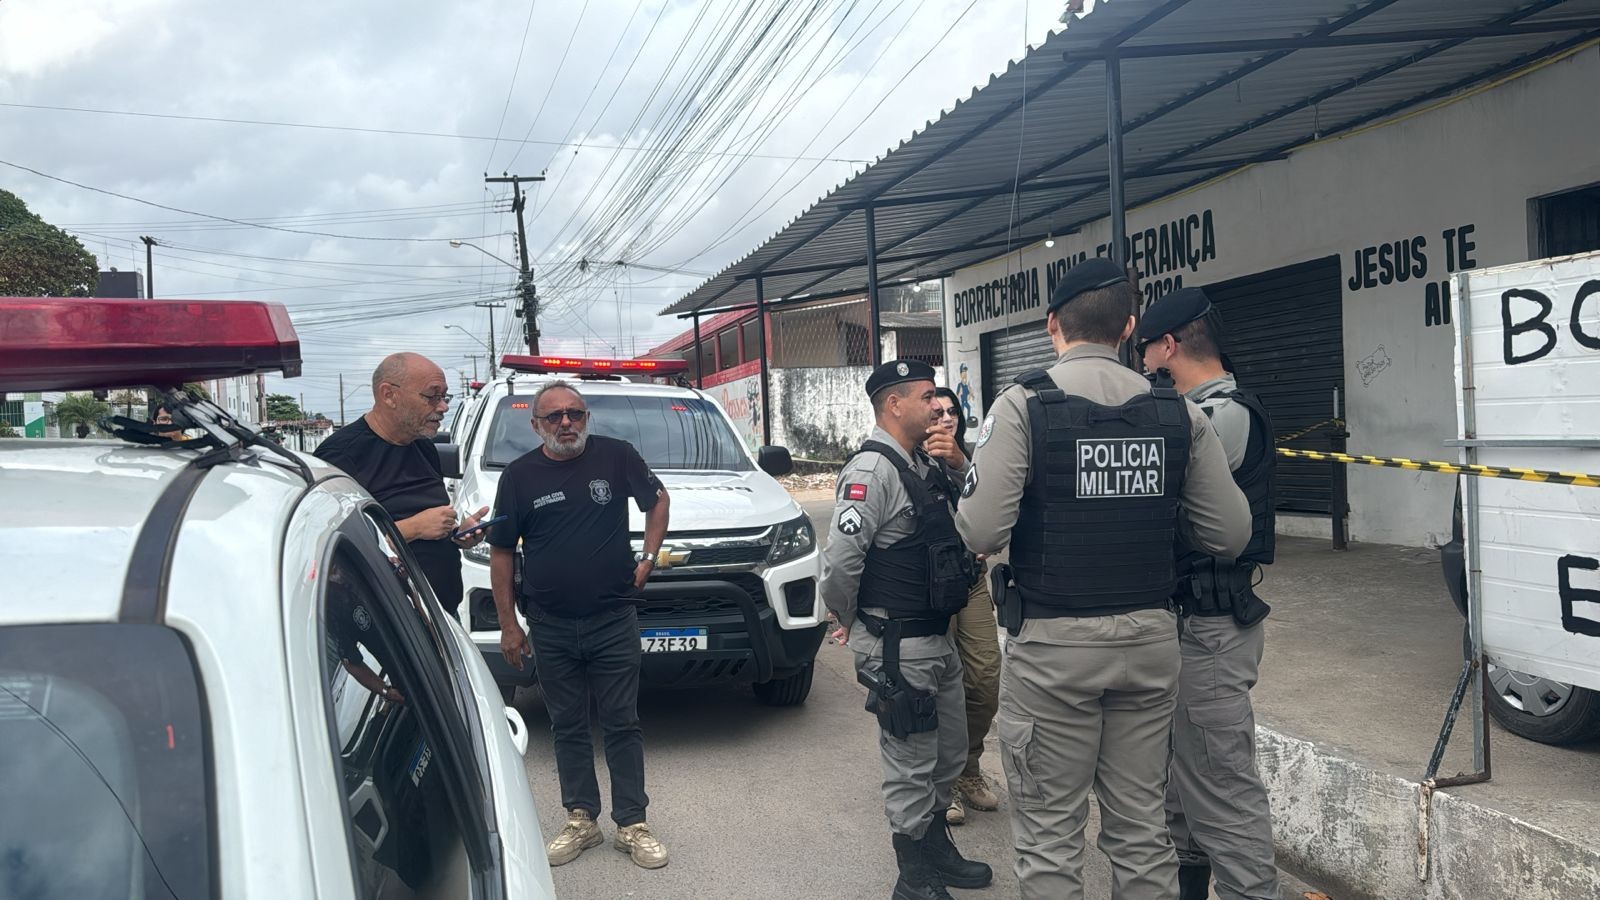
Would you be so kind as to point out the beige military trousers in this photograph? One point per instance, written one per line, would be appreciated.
(1088, 703)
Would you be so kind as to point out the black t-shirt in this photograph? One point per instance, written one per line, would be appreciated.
(406, 479)
(572, 518)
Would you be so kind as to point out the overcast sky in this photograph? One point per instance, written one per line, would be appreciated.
(671, 136)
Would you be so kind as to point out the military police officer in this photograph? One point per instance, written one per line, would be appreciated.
(893, 574)
(1081, 469)
(1216, 804)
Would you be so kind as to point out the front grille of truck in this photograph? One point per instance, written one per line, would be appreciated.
(657, 611)
(727, 556)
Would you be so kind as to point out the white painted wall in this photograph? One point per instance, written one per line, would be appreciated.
(1476, 161)
(823, 414)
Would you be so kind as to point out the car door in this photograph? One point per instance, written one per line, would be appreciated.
(391, 767)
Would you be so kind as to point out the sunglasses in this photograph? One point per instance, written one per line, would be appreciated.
(950, 411)
(554, 419)
(1142, 346)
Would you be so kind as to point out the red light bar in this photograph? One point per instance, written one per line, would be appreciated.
(69, 343)
(541, 365)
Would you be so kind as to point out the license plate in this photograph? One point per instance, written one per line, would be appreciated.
(672, 640)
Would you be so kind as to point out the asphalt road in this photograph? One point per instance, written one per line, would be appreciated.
(752, 802)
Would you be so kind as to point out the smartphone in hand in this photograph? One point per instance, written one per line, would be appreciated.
(469, 532)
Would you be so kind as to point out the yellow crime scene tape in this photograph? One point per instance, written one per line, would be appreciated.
(1421, 465)
(1305, 431)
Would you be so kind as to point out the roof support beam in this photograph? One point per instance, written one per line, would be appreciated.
(1029, 187)
(874, 310)
(903, 257)
(1365, 78)
(1329, 41)
(761, 352)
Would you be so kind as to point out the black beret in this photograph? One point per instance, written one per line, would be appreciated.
(1089, 275)
(897, 372)
(1171, 313)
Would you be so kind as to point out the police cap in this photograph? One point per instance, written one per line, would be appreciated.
(897, 372)
(1171, 313)
(1089, 275)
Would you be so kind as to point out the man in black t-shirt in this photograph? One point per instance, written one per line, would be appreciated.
(567, 504)
(390, 452)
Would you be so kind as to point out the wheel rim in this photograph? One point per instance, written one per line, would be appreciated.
(1529, 693)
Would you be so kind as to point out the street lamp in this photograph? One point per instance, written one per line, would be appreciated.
(483, 251)
(489, 346)
(530, 303)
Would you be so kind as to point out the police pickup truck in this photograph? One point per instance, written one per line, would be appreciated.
(733, 598)
(219, 675)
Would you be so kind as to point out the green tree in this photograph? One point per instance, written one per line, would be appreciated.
(74, 409)
(6, 430)
(38, 259)
(283, 408)
(197, 390)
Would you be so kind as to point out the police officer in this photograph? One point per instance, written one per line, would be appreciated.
(1081, 469)
(894, 573)
(1216, 804)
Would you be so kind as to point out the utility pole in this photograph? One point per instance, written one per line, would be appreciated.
(341, 399)
(491, 306)
(474, 357)
(149, 267)
(525, 289)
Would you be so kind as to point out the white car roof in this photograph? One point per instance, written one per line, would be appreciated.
(77, 507)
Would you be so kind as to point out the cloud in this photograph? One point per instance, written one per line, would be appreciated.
(445, 68)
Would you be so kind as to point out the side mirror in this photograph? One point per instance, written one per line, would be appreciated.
(775, 461)
(443, 437)
(450, 460)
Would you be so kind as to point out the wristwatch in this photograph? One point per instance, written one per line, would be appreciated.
(640, 556)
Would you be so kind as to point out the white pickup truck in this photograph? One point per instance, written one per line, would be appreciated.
(734, 594)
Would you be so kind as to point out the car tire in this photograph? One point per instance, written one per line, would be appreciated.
(791, 690)
(1572, 716)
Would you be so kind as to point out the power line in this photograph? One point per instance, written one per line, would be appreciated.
(397, 132)
(190, 212)
(522, 47)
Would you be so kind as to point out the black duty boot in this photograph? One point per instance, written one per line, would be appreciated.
(1194, 882)
(954, 870)
(918, 880)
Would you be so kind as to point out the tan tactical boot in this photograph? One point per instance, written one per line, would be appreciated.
(639, 843)
(579, 834)
(957, 813)
(975, 790)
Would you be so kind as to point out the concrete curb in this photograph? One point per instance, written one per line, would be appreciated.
(1357, 832)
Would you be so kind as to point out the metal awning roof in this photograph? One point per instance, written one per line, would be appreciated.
(1208, 86)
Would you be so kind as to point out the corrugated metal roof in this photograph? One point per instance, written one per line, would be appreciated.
(1186, 119)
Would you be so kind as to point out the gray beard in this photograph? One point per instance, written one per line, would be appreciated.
(567, 451)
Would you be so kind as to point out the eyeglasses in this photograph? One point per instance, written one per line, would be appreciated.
(433, 399)
(950, 411)
(553, 419)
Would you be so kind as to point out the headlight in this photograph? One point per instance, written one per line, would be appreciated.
(795, 539)
(479, 552)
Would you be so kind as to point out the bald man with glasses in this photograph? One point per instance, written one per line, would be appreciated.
(390, 452)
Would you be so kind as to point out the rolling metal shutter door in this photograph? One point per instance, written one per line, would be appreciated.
(1009, 353)
(1283, 333)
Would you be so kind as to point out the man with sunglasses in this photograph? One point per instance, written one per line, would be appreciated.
(1217, 805)
(566, 502)
(1088, 471)
(390, 452)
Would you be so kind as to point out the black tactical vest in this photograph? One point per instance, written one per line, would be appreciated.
(926, 574)
(1219, 592)
(1096, 530)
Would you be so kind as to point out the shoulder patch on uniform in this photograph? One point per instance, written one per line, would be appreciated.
(855, 492)
(987, 431)
(850, 520)
(970, 485)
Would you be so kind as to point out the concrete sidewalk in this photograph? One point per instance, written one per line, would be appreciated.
(1363, 651)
